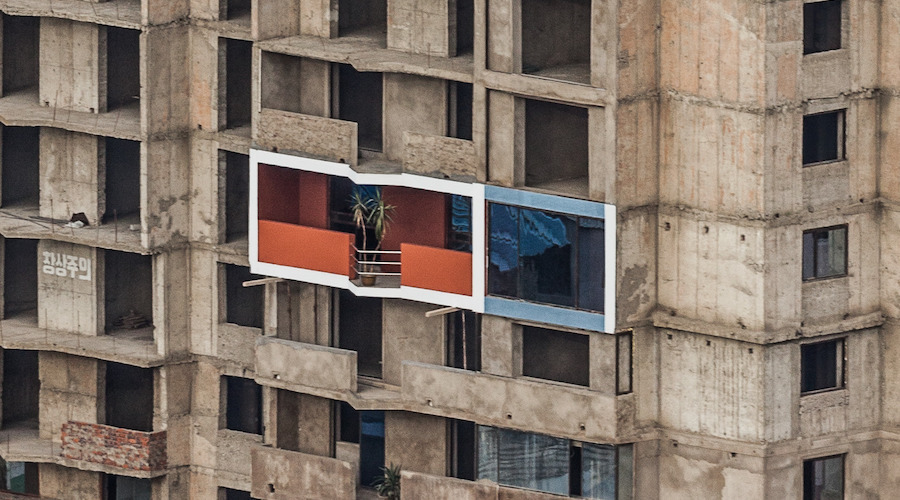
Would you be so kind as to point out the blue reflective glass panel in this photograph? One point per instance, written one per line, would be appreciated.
(546, 257)
(591, 263)
(503, 259)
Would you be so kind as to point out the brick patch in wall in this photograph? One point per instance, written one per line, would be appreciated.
(114, 447)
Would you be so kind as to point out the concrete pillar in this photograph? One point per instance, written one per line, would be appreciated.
(73, 177)
(412, 104)
(73, 65)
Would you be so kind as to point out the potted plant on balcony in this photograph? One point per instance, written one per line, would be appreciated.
(388, 485)
(368, 209)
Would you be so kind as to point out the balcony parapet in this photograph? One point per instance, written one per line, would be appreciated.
(280, 474)
(283, 363)
(417, 485)
(107, 448)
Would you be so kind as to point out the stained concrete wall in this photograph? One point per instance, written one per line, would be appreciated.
(422, 27)
(72, 175)
(65, 482)
(282, 362)
(412, 104)
(70, 288)
(416, 442)
(72, 65)
(410, 336)
(279, 474)
(71, 389)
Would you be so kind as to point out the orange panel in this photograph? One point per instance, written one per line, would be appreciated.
(305, 247)
(436, 269)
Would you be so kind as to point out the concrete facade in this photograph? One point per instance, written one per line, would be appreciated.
(699, 122)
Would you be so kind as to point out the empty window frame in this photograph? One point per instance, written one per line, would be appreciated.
(236, 10)
(236, 77)
(556, 39)
(364, 17)
(459, 110)
(123, 180)
(365, 428)
(21, 389)
(123, 74)
(20, 278)
(236, 202)
(823, 478)
(129, 397)
(358, 97)
(464, 340)
(230, 494)
(823, 137)
(821, 26)
(128, 292)
(465, 26)
(825, 252)
(360, 329)
(554, 465)
(243, 405)
(556, 146)
(546, 257)
(19, 477)
(21, 167)
(822, 366)
(556, 355)
(243, 305)
(126, 488)
(20, 53)
(463, 447)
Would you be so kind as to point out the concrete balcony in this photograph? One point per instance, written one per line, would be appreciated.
(21, 443)
(513, 403)
(307, 368)
(416, 485)
(279, 474)
(113, 450)
(322, 137)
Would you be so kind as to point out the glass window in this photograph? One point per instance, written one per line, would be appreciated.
(823, 478)
(556, 355)
(598, 471)
(243, 401)
(546, 257)
(823, 137)
(822, 365)
(825, 253)
(821, 26)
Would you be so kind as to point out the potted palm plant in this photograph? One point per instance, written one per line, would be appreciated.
(388, 485)
(368, 209)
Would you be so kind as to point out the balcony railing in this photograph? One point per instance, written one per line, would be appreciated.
(371, 263)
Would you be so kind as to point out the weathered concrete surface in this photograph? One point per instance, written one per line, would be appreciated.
(73, 65)
(438, 156)
(73, 175)
(71, 299)
(320, 137)
(511, 403)
(279, 474)
(71, 389)
(309, 365)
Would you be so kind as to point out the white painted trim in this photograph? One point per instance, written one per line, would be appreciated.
(609, 303)
(479, 248)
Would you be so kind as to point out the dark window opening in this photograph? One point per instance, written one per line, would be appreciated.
(237, 82)
(340, 216)
(243, 305)
(465, 26)
(825, 253)
(556, 146)
(459, 108)
(823, 137)
(20, 278)
(19, 477)
(348, 423)
(21, 167)
(556, 39)
(237, 10)
(123, 74)
(359, 99)
(360, 330)
(126, 488)
(20, 53)
(123, 180)
(624, 352)
(462, 450)
(464, 349)
(237, 201)
(822, 366)
(362, 17)
(823, 478)
(555, 355)
(821, 26)
(129, 397)
(21, 389)
(128, 292)
(546, 257)
(371, 446)
(243, 405)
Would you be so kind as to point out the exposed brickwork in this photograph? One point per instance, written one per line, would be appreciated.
(115, 447)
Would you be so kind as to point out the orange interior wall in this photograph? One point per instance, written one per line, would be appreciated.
(304, 247)
(277, 196)
(420, 217)
(436, 269)
(313, 200)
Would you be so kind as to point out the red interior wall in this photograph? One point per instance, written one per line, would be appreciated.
(420, 217)
(278, 198)
(313, 200)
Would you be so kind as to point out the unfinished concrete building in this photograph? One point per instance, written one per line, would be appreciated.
(644, 249)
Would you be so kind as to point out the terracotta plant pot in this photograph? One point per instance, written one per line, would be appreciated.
(367, 280)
